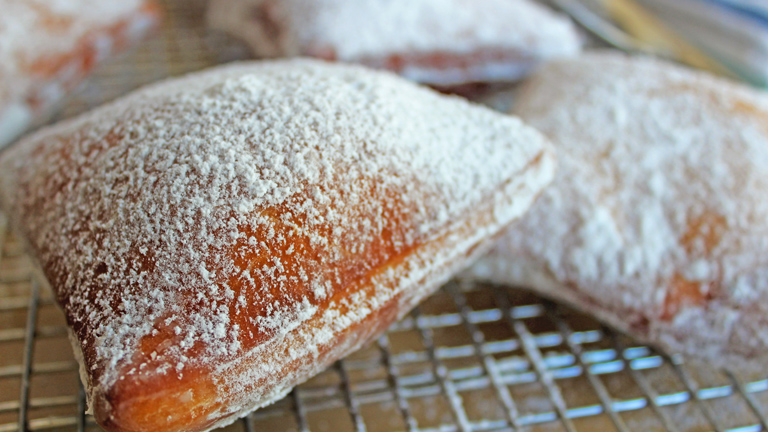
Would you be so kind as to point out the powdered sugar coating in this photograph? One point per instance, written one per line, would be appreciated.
(656, 222)
(443, 42)
(230, 226)
(46, 47)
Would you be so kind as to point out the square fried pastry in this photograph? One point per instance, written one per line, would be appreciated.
(438, 42)
(215, 240)
(48, 47)
(656, 221)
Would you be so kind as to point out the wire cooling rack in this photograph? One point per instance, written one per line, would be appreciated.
(473, 357)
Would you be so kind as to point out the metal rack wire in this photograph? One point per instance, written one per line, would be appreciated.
(472, 358)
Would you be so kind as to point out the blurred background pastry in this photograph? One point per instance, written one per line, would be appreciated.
(48, 47)
(436, 42)
(656, 222)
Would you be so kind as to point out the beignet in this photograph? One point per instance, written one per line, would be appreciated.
(48, 47)
(657, 221)
(436, 42)
(215, 240)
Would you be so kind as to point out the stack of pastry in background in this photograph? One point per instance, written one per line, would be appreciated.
(216, 239)
(47, 48)
(435, 42)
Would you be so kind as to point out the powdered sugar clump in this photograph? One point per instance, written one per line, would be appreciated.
(657, 221)
(203, 222)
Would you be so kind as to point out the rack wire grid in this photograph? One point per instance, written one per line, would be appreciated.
(473, 357)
